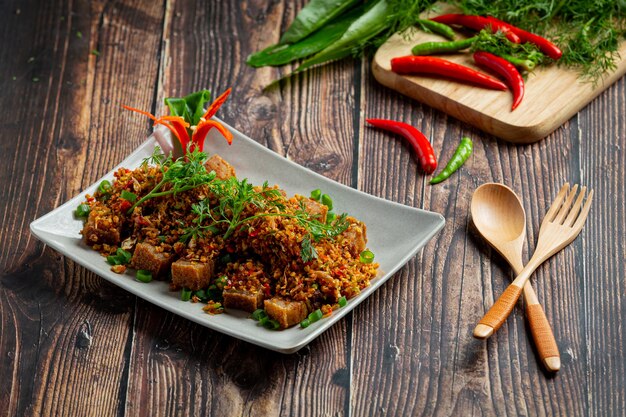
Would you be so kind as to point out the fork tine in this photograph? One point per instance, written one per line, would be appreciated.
(580, 222)
(571, 217)
(565, 208)
(556, 203)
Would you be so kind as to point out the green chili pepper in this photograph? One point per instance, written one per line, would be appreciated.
(82, 210)
(460, 156)
(436, 27)
(313, 16)
(316, 194)
(431, 48)
(370, 24)
(281, 54)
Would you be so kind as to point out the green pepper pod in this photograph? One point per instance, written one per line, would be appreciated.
(460, 156)
(436, 27)
(431, 48)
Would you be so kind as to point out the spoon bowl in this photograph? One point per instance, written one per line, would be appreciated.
(500, 218)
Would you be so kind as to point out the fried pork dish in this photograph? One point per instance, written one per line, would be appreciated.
(223, 241)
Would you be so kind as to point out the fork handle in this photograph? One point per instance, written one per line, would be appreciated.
(498, 312)
(543, 337)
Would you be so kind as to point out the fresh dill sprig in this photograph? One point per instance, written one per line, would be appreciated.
(589, 33)
(525, 55)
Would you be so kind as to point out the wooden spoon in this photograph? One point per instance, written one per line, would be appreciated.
(500, 218)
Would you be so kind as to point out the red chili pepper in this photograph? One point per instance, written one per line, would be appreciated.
(505, 69)
(478, 23)
(437, 66)
(178, 126)
(421, 145)
(124, 205)
(543, 44)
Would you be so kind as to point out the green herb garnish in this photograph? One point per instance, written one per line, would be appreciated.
(589, 33)
(180, 174)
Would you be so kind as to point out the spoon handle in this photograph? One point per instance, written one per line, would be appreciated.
(543, 337)
(498, 312)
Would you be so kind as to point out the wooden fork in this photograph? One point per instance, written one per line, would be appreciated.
(562, 224)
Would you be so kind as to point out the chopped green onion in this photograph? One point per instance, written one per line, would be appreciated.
(82, 210)
(128, 196)
(330, 217)
(316, 194)
(113, 260)
(221, 282)
(104, 187)
(327, 201)
(258, 313)
(123, 255)
(144, 276)
(201, 294)
(185, 294)
(271, 324)
(342, 302)
(305, 323)
(366, 257)
(263, 320)
(316, 315)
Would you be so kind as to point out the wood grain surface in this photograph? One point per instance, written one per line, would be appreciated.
(73, 345)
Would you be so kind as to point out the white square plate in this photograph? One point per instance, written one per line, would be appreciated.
(395, 233)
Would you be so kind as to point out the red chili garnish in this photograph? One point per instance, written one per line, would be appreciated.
(141, 221)
(253, 233)
(506, 70)
(180, 128)
(479, 23)
(436, 66)
(421, 146)
(542, 43)
(124, 205)
(230, 249)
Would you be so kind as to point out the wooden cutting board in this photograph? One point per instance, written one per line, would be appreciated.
(553, 94)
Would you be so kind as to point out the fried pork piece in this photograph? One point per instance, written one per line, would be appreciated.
(194, 275)
(243, 300)
(102, 226)
(148, 257)
(354, 238)
(286, 313)
(222, 169)
(317, 210)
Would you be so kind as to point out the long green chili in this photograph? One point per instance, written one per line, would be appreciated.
(431, 48)
(370, 24)
(460, 156)
(436, 27)
(313, 16)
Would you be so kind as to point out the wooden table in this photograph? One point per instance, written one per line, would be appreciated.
(72, 344)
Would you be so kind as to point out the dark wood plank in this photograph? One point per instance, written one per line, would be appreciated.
(202, 371)
(64, 331)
